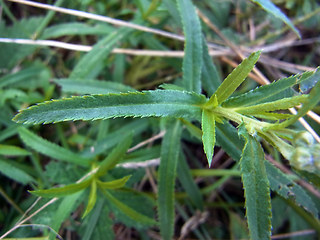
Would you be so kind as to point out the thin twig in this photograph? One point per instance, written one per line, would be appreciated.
(294, 234)
(106, 19)
(28, 218)
(262, 78)
(85, 48)
(152, 139)
(144, 164)
(306, 125)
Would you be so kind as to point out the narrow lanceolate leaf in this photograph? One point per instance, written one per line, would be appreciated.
(50, 149)
(281, 104)
(310, 81)
(275, 11)
(92, 198)
(188, 183)
(273, 91)
(159, 103)
(67, 205)
(167, 176)
(98, 54)
(91, 86)
(115, 156)
(75, 28)
(128, 211)
(256, 187)
(208, 134)
(310, 103)
(192, 61)
(288, 189)
(63, 191)
(236, 77)
(119, 183)
(211, 79)
(9, 150)
(14, 173)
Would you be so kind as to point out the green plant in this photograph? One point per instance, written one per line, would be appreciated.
(238, 122)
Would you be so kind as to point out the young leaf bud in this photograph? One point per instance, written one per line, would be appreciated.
(302, 159)
(303, 139)
(316, 155)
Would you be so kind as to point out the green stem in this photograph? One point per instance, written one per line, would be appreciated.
(232, 115)
(215, 172)
(46, 21)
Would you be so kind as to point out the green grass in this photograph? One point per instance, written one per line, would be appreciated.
(138, 99)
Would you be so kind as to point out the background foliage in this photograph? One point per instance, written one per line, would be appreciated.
(105, 173)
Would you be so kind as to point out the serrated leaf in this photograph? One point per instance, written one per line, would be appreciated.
(211, 79)
(312, 100)
(310, 81)
(256, 187)
(271, 92)
(272, 115)
(282, 104)
(115, 156)
(50, 149)
(63, 191)
(119, 183)
(131, 213)
(236, 77)
(170, 150)
(159, 103)
(275, 11)
(91, 86)
(9, 150)
(192, 61)
(92, 198)
(208, 134)
(288, 189)
(14, 173)
(99, 53)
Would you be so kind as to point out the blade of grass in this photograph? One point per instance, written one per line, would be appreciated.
(192, 61)
(166, 179)
(275, 11)
(99, 53)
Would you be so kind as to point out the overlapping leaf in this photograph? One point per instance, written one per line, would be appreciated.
(276, 90)
(256, 186)
(284, 186)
